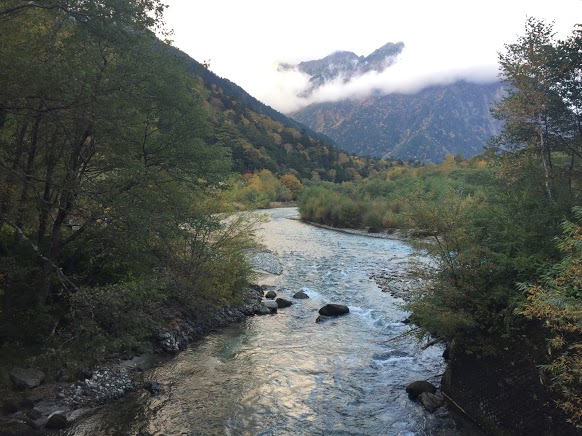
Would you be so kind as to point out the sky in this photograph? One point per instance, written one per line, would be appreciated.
(445, 40)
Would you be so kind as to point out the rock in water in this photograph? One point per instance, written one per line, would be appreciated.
(334, 310)
(57, 421)
(271, 305)
(282, 303)
(26, 378)
(416, 388)
(262, 310)
(300, 295)
(431, 402)
(271, 295)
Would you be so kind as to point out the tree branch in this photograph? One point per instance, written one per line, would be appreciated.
(67, 284)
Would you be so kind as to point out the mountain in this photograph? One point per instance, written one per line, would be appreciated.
(426, 126)
(345, 65)
(439, 120)
(259, 137)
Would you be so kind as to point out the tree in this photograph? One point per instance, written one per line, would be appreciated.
(104, 169)
(542, 109)
(556, 301)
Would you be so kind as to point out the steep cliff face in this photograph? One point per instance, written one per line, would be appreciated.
(426, 126)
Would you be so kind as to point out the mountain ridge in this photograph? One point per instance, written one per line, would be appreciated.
(424, 126)
(439, 120)
(344, 65)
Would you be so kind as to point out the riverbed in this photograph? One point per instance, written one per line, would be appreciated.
(285, 374)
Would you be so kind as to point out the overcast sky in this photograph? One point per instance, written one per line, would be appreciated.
(245, 40)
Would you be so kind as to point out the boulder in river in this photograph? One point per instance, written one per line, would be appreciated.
(262, 310)
(431, 402)
(282, 303)
(271, 295)
(334, 310)
(416, 388)
(271, 305)
(57, 421)
(300, 295)
(26, 378)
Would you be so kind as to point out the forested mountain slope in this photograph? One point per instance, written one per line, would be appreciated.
(439, 120)
(262, 138)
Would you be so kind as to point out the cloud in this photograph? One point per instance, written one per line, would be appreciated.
(444, 40)
(411, 73)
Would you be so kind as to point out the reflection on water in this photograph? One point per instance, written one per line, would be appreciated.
(287, 375)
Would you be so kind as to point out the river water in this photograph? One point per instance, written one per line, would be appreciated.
(285, 374)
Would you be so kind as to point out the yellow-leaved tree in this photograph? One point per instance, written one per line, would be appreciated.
(556, 301)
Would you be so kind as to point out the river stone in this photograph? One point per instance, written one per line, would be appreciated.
(262, 310)
(271, 295)
(282, 303)
(57, 421)
(271, 305)
(153, 387)
(431, 402)
(26, 377)
(9, 407)
(34, 414)
(334, 310)
(416, 388)
(300, 295)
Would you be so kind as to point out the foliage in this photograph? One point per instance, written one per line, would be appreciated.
(424, 126)
(109, 188)
(556, 301)
(260, 189)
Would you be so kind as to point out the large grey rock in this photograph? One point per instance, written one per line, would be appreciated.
(300, 295)
(26, 377)
(271, 305)
(431, 402)
(416, 388)
(282, 303)
(262, 310)
(57, 421)
(334, 310)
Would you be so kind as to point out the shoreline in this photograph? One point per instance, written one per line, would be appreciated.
(116, 377)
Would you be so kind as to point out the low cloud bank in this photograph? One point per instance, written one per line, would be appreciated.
(285, 88)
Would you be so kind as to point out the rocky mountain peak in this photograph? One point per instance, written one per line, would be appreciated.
(345, 65)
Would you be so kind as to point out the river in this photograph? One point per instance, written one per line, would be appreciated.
(285, 374)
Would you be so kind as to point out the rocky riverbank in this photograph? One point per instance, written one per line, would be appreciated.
(55, 404)
(41, 406)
